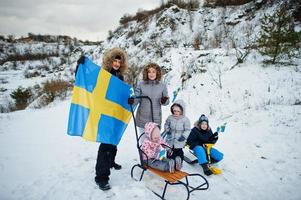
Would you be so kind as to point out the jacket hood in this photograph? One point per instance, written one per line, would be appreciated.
(182, 104)
(148, 129)
(109, 56)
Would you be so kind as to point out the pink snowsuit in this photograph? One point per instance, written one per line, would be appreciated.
(151, 148)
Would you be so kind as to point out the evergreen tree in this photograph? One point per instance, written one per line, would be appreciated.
(278, 38)
(21, 97)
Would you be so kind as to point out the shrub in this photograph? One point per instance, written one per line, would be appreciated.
(55, 88)
(145, 14)
(21, 97)
(2, 89)
(132, 75)
(225, 2)
(7, 106)
(188, 5)
(30, 74)
(197, 42)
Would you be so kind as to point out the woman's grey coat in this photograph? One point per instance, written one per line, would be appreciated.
(155, 90)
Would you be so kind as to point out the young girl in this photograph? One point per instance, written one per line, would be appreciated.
(152, 145)
(177, 128)
(152, 87)
(200, 135)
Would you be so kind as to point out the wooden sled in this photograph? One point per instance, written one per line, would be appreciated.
(176, 178)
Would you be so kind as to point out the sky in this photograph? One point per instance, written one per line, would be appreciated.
(84, 19)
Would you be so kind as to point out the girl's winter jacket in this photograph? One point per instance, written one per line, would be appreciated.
(177, 128)
(150, 148)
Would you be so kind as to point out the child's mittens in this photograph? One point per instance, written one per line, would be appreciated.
(169, 152)
(181, 138)
(214, 138)
(164, 99)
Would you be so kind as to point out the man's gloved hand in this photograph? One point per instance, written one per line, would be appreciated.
(131, 101)
(164, 99)
(81, 60)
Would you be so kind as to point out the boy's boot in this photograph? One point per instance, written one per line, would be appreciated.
(206, 169)
(171, 164)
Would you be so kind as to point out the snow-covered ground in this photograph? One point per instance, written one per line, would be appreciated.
(39, 161)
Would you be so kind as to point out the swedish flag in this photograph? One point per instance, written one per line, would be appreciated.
(99, 110)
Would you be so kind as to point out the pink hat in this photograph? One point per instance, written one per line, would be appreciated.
(149, 127)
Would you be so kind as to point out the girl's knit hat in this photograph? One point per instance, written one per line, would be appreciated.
(203, 118)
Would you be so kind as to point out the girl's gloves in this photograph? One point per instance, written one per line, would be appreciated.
(181, 138)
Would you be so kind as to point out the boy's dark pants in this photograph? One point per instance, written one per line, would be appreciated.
(105, 159)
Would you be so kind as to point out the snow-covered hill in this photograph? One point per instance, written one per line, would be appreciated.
(199, 46)
(208, 70)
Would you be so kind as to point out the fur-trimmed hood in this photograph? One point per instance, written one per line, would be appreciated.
(148, 129)
(181, 103)
(109, 56)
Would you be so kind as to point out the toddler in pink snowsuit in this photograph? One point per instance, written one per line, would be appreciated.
(152, 145)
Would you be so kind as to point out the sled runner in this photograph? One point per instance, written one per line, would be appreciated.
(176, 178)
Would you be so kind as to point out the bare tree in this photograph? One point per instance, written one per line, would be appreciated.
(217, 79)
(132, 75)
(242, 52)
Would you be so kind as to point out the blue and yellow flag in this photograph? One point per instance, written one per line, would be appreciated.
(99, 109)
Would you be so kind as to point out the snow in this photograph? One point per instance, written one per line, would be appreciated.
(38, 160)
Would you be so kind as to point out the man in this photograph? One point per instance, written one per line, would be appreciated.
(115, 62)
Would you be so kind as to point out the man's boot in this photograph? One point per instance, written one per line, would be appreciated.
(103, 185)
(113, 163)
